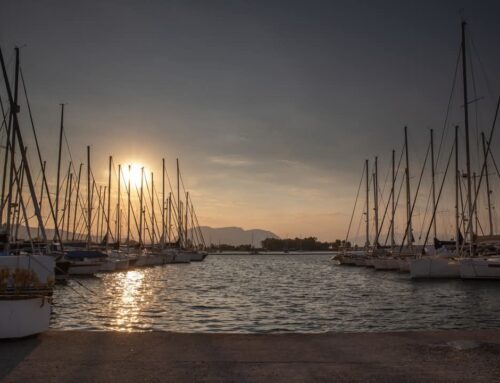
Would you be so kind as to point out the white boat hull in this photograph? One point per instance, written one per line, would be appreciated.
(182, 257)
(149, 260)
(434, 267)
(480, 268)
(24, 317)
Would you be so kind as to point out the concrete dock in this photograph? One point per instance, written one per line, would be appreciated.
(426, 356)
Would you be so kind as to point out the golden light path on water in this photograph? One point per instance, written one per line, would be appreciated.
(127, 312)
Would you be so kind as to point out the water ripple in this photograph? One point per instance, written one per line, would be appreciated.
(272, 293)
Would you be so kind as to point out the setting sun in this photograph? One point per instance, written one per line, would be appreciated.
(133, 173)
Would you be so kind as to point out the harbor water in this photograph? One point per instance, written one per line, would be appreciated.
(271, 293)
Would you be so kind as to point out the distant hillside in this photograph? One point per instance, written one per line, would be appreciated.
(235, 236)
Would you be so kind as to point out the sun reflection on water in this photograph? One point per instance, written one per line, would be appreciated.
(128, 309)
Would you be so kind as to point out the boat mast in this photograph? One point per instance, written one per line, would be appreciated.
(457, 202)
(19, 198)
(141, 206)
(375, 200)
(169, 217)
(488, 191)
(179, 212)
(61, 130)
(433, 175)
(108, 228)
(409, 234)
(367, 243)
(41, 195)
(153, 232)
(77, 200)
(118, 211)
(467, 144)
(187, 216)
(89, 201)
(70, 195)
(163, 204)
(393, 207)
(14, 110)
(128, 206)
(63, 221)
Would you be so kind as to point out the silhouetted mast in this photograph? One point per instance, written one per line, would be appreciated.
(393, 207)
(457, 200)
(89, 201)
(433, 175)
(409, 234)
(118, 208)
(375, 200)
(367, 243)
(61, 130)
(467, 144)
(488, 191)
(108, 228)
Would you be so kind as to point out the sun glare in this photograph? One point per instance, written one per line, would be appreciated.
(133, 173)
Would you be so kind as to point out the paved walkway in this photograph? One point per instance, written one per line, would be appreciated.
(437, 356)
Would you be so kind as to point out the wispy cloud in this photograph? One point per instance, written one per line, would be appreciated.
(231, 161)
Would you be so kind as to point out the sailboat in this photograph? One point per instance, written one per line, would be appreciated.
(447, 264)
(26, 275)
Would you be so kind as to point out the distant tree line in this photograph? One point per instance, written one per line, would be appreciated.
(302, 244)
(288, 244)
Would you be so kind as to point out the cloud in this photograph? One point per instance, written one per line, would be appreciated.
(231, 161)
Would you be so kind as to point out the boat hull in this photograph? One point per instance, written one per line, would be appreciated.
(434, 268)
(480, 268)
(24, 317)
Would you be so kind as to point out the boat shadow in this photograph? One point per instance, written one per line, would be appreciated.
(14, 351)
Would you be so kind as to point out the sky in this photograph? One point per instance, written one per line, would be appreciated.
(271, 106)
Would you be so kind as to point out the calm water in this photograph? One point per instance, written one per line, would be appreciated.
(264, 293)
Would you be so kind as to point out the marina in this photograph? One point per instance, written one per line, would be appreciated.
(249, 192)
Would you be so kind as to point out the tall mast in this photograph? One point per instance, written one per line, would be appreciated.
(14, 108)
(367, 243)
(187, 215)
(99, 210)
(128, 206)
(457, 200)
(89, 201)
(141, 206)
(409, 234)
(70, 192)
(488, 191)
(77, 201)
(393, 207)
(61, 130)
(41, 196)
(153, 232)
(162, 237)
(6, 161)
(108, 228)
(467, 144)
(433, 175)
(179, 212)
(375, 200)
(474, 212)
(19, 199)
(64, 209)
(118, 209)
(169, 217)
